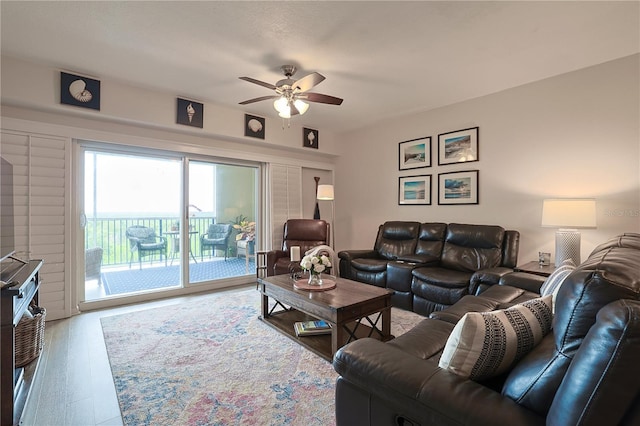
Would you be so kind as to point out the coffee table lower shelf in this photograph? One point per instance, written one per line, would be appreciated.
(283, 321)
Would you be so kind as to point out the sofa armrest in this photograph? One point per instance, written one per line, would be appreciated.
(347, 256)
(421, 391)
(272, 258)
(357, 254)
(484, 278)
(523, 280)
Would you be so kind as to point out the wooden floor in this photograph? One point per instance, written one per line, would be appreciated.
(73, 384)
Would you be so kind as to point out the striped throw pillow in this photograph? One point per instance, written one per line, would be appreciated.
(485, 344)
(552, 284)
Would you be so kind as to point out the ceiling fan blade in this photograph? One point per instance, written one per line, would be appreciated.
(258, 82)
(320, 98)
(261, 98)
(307, 82)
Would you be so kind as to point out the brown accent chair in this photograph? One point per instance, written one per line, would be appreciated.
(304, 233)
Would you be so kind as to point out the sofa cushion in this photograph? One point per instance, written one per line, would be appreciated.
(485, 344)
(472, 247)
(425, 340)
(396, 238)
(468, 303)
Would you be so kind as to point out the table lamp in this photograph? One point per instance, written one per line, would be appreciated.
(567, 215)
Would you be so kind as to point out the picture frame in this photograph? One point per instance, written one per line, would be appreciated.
(414, 190)
(189, 113)
(79, 91)
(414, 153)
(310, 138)
(460, 146)
(254, 126)
(458, 187)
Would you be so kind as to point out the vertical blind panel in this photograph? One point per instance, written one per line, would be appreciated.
(286, 198)
(40, 173)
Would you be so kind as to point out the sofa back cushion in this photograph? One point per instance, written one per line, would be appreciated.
(609, 274)
(510, 248)
(431, 239)
(305, 233)
(397, 238)
(595, 390)
(470, 248)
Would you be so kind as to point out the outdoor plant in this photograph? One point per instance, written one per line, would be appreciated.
(246, 230)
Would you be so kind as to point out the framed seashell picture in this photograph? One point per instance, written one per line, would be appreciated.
(310, 138)
(190, 113)
(254, 126)
(79, 91)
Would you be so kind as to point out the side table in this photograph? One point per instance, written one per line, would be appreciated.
(534, 267)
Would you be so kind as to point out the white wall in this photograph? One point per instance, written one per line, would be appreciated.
(29, 85)
(573, 135)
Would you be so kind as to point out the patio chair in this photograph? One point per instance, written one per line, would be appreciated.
(217, 236)
(144, 240)
(93, 264)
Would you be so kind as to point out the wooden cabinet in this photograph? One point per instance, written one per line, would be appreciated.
(22, 287)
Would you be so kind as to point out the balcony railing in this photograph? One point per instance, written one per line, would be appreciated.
(110, 234)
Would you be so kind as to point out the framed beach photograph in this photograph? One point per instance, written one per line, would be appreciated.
(460, 146)
(414, 190)
(415, 153)
(458, 187)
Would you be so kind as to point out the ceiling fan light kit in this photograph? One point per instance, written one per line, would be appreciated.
(292, 96)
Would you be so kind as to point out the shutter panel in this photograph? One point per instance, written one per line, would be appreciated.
(286, 199)
(40, 199)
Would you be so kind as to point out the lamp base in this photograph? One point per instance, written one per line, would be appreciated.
(567, 246)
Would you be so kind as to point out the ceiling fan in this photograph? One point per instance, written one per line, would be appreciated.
(292, 95)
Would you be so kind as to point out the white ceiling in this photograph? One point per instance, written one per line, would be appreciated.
(384, 58)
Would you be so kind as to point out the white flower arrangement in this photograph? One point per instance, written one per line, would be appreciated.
(315, 264)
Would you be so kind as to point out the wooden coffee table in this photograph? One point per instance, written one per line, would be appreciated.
(354, 310)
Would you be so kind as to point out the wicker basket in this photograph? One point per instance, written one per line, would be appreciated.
(29, 338)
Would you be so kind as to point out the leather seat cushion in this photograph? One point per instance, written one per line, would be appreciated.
(468, 303)
(370, 265)
(440, 296)
(425, 340)
(442, 277)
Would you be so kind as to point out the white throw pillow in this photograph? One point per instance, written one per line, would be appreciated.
(485, 344)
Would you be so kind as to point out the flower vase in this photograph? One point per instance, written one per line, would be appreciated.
(315, 279)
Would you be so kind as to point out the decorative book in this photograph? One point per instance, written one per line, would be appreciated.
(311, 328)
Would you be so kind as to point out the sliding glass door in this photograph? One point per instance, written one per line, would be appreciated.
(160, 221)
(222, 219)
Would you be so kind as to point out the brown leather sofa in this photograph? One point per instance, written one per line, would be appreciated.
(430, 266)
(304, 233)
(584, 372)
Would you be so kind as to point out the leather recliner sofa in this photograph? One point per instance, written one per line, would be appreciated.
(430, 266)
(584, 372)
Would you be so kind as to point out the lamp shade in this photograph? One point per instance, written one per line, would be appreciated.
(569, 213)
(325, 192)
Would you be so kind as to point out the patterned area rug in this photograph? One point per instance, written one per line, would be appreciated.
(216, 363)
(150, 278)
